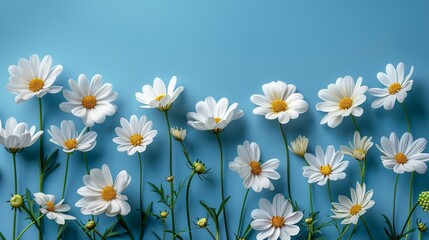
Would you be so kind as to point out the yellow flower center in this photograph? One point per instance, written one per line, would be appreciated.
(36, 84)
(70, 144)
(345, 103)
(400, 158)
(325, 170)
(277, 221)
(136, 139)
(279, 106)
(158, 98)
(108, 193)
(355, 209)
(217, 120)
(395, 87)
(51, 206)
(89, 102)
(255, 167)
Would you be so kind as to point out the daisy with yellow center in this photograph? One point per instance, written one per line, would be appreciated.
(51, 210)
(341, 100)
(396, 86)
(275, 220)
(255, 175)
(70, 140)
(103, 195)
(157, 96)
(323, 167)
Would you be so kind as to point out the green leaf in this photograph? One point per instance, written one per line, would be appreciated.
(49, 164)
(61, 231)
(156, 235)
(222, 205)
(2, 237)
(110, 229)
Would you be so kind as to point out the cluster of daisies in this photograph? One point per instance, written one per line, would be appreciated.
(92, 101)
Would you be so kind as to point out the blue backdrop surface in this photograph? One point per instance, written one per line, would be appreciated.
(220, 49)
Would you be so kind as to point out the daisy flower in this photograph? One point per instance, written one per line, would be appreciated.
(51, 210)
(341, 99)
(178, 134)
(275, 220)
(396, 86)
(33, 77)
(68, 138)
(351, 209)
(280, 102)
(359, 148)
(254, 174)
(16, 136)
(91, 101)
(404, 155)
(324, 167)
(157, 96)
(102, 195)
(299, 146)
(135, 135)
(213, 116)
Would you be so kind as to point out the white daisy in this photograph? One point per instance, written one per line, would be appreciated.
(404, 155)
(213, 116)
(325, 167)
(102, 195)
(33, 77)
(341, 99)
(299, 146)
(359, 148)
(254, 174)
(157, 96)
(351, 209)
(276, 220)
(135, 135)
(68, 138)
(280, 102)
(51, 210)
(178, 134)
(91, 101)
(396, 86)
(16, 136)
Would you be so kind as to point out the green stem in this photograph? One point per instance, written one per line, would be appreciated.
(165, 230)
(83, 229)
(222, 187)
(366, 227)
(125, 226)
(185, 152)
(99, 234)
(344, 232)
(330, 199)
(211, 234)
(171, 174)
(407, 117)
(363, 172)
(408, 218)
(85, 161)
(310, 226)
(394, 202)
(14, 224)
(65, 176)
(15, 192)
(41, 159)
(188, 215)
(141, 198)
(287, 165)
(242, 212)
(420, 235)
(410, 201)
(355, 123)
(353, 232)
(29, 225)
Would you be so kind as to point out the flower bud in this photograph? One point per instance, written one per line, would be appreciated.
(309, 220)
(16, 201)
(169, 178)
(179, 135)
(202, 222)
(299, 146)
(199, 167)
(424, 201)
(90, 225)
(163, 214)
(422, 227)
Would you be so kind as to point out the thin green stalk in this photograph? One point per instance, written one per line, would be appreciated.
(287, 165)
(99, 234)
(188, 215)
(242, 212)
(65, 176)
(15, 192)
(410, 201)
(408, 218)
(141, 198)
(353, 231)
(125, 226)
(14, 224)
(222, 187)
(165, 230)
(344, 232)
(211, 234)
(84, 229)
(310, 226)
(29, 225)
(420, 235)
(364, 169)
(355, 123)
(394, 202)
(85, 161)
(366, 227)
(330, 199)
(171, 174)
(41, 158)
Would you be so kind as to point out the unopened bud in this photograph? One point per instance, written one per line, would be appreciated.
(16, 201)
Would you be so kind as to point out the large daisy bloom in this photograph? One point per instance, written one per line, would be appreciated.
(135, 135)
(90, 100)
(404, 155)
(67, 137)
(33, 77)
(324, 167)
(396, 86)
(213, 116)
(279, 102)
(254, 174)
(275, 220)
(341, 99)
(51, 210)
(158, 96)
(351, 209)
(102, 195)
(16, 136)
(359, 148)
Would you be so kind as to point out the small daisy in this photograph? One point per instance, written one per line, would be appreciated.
(102, 195)
(254, 174)
(179, 135)
(16, 136)
(280, 102)
(135, 135)
(33, 77)
(299, 146)
(68, 138)
(351, 209)
(51, 210)
(359, 148)
(396, 86)
(157, 96)
(275, 220)
(341, 99)
(91, 101)
(325, 167)
(404, 155)
(213, 116)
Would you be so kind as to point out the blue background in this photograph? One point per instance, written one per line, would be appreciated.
(220, 49)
